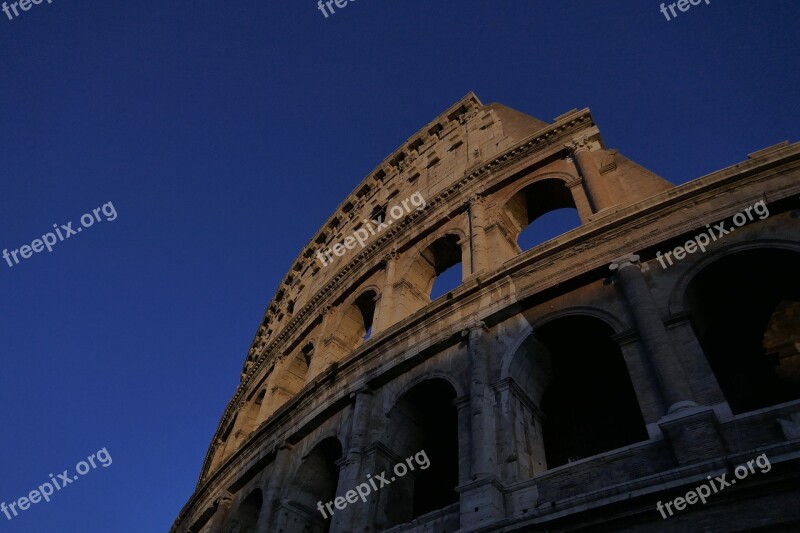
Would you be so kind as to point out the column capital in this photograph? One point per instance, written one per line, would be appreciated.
(391, 255)
(366, 389)
(283, 446)
(474, 330)
(224, 499)
(578, 144)
(630, 260)
(466, 117)
(475, 199)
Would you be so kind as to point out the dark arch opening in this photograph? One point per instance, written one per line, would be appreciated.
(542, 211)
(423, 420)
(589, 404)
(315, 481)
(745, 312)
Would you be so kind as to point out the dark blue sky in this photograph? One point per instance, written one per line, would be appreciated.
(225, 133)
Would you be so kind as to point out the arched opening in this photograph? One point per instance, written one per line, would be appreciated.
(356, 325)
(290, 380)
(745, 312)
(315, 481)
(438, 269)
(541, 211)
(294, 376)
(226, 444)
(246, 518)
(248, 416)
(423, 433)
(575, 373)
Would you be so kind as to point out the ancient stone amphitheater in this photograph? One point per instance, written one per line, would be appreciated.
(574, 385)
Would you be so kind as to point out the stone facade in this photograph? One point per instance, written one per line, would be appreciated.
(572, 385)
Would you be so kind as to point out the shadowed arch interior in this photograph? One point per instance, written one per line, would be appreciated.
(588, 403)
(745, 312)
(246, 518)
(316, 480)
(423, 419)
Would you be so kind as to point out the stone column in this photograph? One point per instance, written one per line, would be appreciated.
(484, 453)
(272, 493)
(481, 496)
(593, 182)
(580, 198)
(319, 358)
(344, 520)
(462, 405)
(221, 513)
(672, 382)
(480, 247)
(386, 304)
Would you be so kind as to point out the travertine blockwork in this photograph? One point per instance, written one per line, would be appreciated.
(547, 383)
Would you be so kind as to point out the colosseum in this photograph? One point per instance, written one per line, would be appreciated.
(603, 379)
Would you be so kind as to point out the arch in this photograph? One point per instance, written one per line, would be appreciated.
(565, 177)
(394, 397)
(422, 432)
(549, 197)
(294, 374)
(533, 323)
(749, 327)
(245, 519)
(247, 420)
(677, 294)
(438, 256)
(315, 480)
(575, 387)
(289, 380)
(355, 322)
(319, 440)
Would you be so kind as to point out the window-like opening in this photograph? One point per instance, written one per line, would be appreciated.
(439, 264)
(443, 255)
(308, 353)
(356, 324)
(315, 481)
(378, 214)
(260, 398)
(542, 211)
(290, 381)
(746, 314)
(588, 403)
(423, 430)
(415, 145)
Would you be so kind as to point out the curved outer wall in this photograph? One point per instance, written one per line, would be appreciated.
(502, 377)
